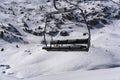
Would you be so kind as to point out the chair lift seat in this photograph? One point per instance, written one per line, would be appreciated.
(74, 41)
(68, 48)
(67, 45)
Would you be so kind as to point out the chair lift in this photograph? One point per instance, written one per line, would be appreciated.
(66, 44)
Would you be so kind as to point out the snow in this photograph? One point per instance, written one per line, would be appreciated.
(30, 62)
(34, 63)
(107, 74)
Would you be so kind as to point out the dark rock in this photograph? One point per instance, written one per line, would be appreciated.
(21, 12)
(117, 17)
(40, 27)
(3, 72)
(53, 33)
(12, 29)
(25, 24)
(103, 21)
(2, 49)
(1, 34)
(6, 66)
(64, 33)
(38, 33)
(17, 46)
(93, 22)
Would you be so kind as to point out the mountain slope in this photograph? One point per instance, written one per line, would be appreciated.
(24, 58)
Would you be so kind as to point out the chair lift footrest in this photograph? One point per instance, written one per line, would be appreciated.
(66, 48)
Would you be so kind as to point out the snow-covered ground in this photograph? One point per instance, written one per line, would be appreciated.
(33, 63)
(20, 61)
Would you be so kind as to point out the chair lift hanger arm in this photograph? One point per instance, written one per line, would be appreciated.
(84, 20)
(55, 6)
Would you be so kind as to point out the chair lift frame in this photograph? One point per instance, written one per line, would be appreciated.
(67, 48)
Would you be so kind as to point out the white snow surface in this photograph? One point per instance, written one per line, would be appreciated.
(30, 62)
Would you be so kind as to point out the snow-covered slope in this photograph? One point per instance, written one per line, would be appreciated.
(24, 58)
(32, 62)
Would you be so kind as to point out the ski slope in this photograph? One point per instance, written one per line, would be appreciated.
(101, 62)
(21, 61)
